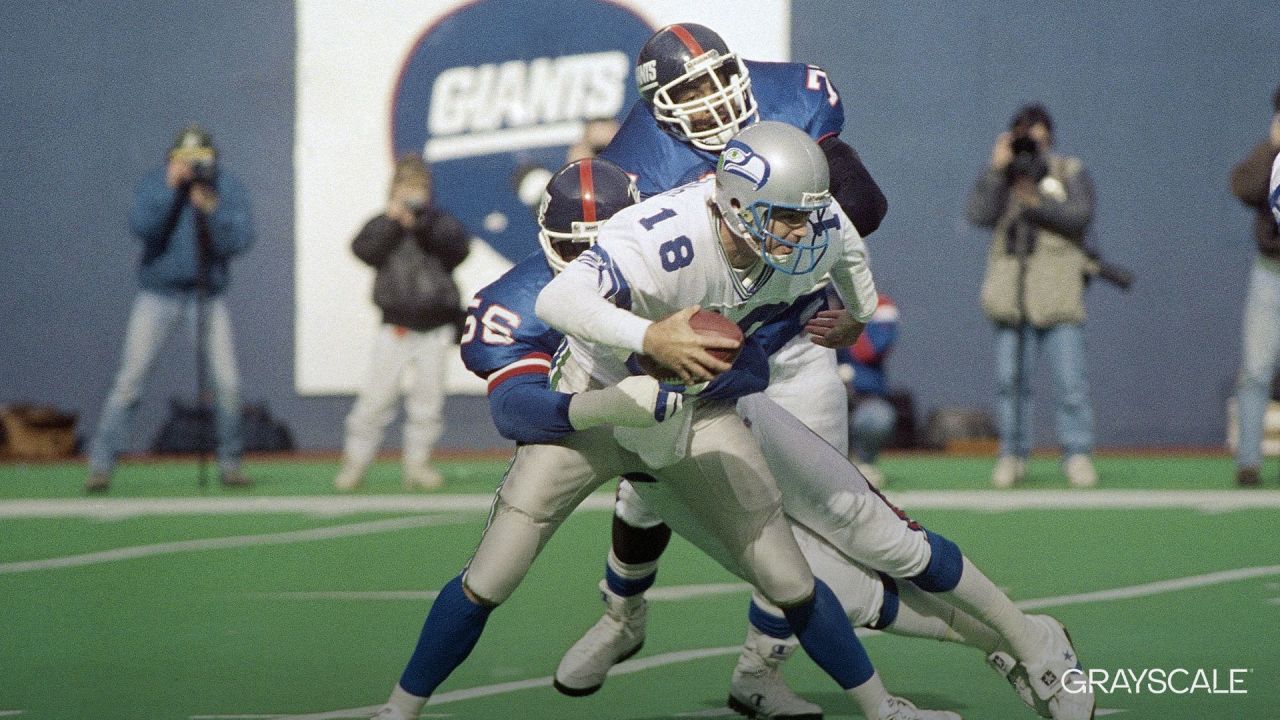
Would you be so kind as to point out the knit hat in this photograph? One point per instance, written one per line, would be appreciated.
(193, 141)
(1031, 114)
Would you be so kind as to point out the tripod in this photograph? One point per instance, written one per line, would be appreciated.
(1022, 237)
(203, 411)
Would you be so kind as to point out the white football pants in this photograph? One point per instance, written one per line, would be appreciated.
(723, 484)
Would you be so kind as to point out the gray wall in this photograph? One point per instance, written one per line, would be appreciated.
(1159, 104)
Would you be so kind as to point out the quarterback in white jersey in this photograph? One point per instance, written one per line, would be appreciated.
(747, 244)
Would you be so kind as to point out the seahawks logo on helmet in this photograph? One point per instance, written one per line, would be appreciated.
(740, 160)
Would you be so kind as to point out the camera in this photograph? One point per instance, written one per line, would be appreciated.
(1027, 160)
(204, 170)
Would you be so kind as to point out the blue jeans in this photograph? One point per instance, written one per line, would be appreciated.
(1064, 344)
(152, 321)
(1261, 346)
(870, 425)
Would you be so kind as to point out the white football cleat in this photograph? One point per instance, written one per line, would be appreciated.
(757, 689)
(423, 478)
(349, 477)
(1080, 471)
(402, 705)
(1046, 674)
(896, 708)
(616, 636)
(1009, 471)
(1016, 674)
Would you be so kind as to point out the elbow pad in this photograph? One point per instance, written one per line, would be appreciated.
(853, 187)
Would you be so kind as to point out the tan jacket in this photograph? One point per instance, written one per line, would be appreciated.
(1054, 281)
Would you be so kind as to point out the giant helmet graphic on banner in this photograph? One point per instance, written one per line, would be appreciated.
(497, 86)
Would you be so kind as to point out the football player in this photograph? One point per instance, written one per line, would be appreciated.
(506, 344)
(695, 94)
(756, 238)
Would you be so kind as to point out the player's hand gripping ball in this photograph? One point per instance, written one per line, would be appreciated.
(703, 322)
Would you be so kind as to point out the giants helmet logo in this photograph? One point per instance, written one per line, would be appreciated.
(496, 86)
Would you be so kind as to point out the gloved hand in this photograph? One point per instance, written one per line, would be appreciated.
(636, 401)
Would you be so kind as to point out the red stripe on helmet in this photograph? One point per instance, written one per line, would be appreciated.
(687, 39)
(588, 191)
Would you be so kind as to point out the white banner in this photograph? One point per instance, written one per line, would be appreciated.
(483, 89)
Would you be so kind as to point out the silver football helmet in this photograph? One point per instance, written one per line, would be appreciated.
(769, 171)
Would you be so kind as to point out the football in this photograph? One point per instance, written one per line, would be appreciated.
(703, 322)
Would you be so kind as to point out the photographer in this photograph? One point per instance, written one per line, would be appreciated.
(192, 217)
(1039, 205)
(414, 246)
(1261, 327)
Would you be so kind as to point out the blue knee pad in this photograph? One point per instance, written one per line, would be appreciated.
(945, 566)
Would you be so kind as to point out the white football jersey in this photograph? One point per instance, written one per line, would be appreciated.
(664, 254)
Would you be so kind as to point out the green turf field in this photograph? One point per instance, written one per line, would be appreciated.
(161, 601)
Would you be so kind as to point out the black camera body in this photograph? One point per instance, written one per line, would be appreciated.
(1028, 162)
(204, 171)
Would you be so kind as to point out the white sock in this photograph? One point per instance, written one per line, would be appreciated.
(631, 571)
(408, 704)
(869, 695)
(980, 597)
(925, 615)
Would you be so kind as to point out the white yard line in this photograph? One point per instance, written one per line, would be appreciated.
(322, 506)
(655, 661)
(689, 592)
(1209, 501)
(1152, 588)
(235, 541)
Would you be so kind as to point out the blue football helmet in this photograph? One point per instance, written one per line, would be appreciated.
(773, 171)
(698, 90)
(579, 197)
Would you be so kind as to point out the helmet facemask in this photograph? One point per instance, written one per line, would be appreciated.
(727, 101)
(754, 221)
(577, 201)
(561, 248)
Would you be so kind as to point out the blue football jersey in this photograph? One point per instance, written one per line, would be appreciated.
(503, 338)
(795, 93)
